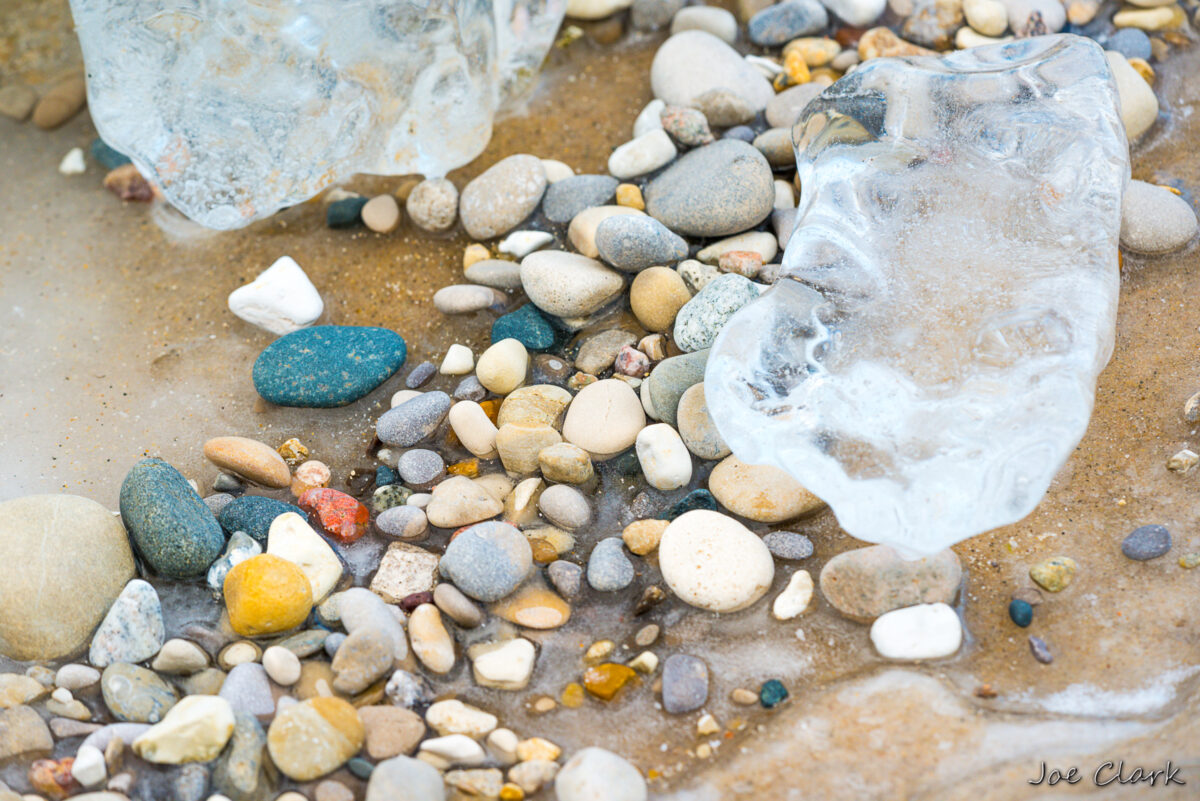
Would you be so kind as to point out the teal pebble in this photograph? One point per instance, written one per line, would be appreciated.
(385, 475)
(360, 767)
(696, 499)
(526, 325)
(1021, 612)
(327, 365)
(772, 693)
(345, 213)
(105, 156)
(254, 514)
(169, 524)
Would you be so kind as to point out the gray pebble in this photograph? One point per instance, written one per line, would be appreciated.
(565, 506)
(225, 482)
(333, 642)
(567, 578)
(1146, 542)
(783, 222)
(191, 783)
(703, 317)
(466, 298)
(776, 145)
(1131, 43)
(779, 24)
(671, 378)
(598, 352)
(722, 109)
(413, 420)
(684, 683)
(247, 689)
(716, 190)
(470, 389)
(693, 62)
(784, 108)
(458, 607)
(403, 522)
(407, 690)
(218, 501)
(487, 561)
(788, 545)
(609, 569)
(1041, 651)
(421, 468)
(633, 242)
(505, 194)
(742, 133)
(420, 375)
(496, 273)
(566, 198)
(651, 15)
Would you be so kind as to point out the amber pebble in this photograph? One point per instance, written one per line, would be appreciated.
(604, 680)
(52, 778)
(491, 408)
(572, 696)
(468, 468)
(796, 67)
(543, 552)
(511, 792)
(630, 195)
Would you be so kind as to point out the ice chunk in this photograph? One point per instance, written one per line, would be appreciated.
(929, 360)
(238, 109)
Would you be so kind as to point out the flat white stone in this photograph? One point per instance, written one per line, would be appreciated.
(643, 154)
(456, 749)
(505, 666)
(89, 768)
(459, 360)
(522, 243)
(795, 597)
(649, 118)
(454, 717)
(291, 538)
(72, 163)
(665, 460)
(924, 631)
(280, 300)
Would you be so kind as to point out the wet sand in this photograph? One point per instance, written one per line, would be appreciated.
(118, 344)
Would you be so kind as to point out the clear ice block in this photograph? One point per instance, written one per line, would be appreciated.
(238, 109)
(929, 359)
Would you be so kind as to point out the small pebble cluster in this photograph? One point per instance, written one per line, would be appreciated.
(603, 294)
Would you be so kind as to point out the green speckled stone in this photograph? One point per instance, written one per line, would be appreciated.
(169, 524)
(327, 365)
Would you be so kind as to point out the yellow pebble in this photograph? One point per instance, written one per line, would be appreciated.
(293, 451)
(825, 76)
(817, 51)
(1150, 19)
(1143, 68)
(266, 595)
(469, 468)
(473, 253)
(629, 195)
(511, 792)
(598, 651)
(603, 681)
(796, 68)
(537, 748)
(572, 696)
(704, 750)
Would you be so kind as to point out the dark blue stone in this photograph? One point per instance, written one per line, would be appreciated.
(420, 375)
(253, 514)
(1146, 542)
(772, 693)
(778, 24)
(527, 326)
(170, 526)
(345, 213)
(1021, 612)
(105, 156)
(696, 499)
(385, 475)
(327, 365)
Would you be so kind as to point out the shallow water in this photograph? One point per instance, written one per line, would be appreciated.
(118, 344)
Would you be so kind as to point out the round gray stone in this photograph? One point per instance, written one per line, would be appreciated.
(691, 63)
(1146, 542)
(566, 198)
(413, 420)
(633, 242)
(684, 683)
(716, 190)
(609, 569)
(421, 468)
(487, 561)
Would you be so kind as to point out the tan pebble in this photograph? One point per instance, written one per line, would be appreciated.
(310, 475)
(656, 296)
(743, 697)
(760, 492)
(473, 253)
(643, 536)
(381, 214)
(704, 751)
(629, 195)
(645, 662)
(250, 459)
(61, 103)
(707, 724)
(544, 704)
(534, 606)
(598, 651)
(604, 418)
(582, 230)
(538, 748)
(520, 507)
(565, 463)
(542, 404)
(432, 644)
(520, 444)
(17, 100)
(646, 635)
(502, 367)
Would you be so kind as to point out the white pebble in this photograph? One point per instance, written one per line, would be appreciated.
(713, 562)
(785, 198)
(556, 170)
(62, 695)
(72, 163)
(644, 154)
(404, 395)
(459, 360)
(1154, 219)
(1139, 105)
(454, 717)
(76, 677)
(456, 749)
(522, 243)
(924, 631)
(795, 597)
(89, 768)
(473, 428)
(665, 460)
(280, 300)
(710, 19)
(502, 367)
(281, 665)
(768, 67)
(649, 118)
(856, 12)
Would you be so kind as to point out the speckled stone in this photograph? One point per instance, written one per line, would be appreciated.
(135, 694)
(253, 514)
(327, 365)
(501, 197)
(633, 242)
(169, 524)
(702, 318)
(238, 773)
(1146, 542)
(609, 569)
(567, 578)
(785, 21)
(132, 631)
(788, 545)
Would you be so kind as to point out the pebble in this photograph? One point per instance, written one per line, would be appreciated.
(795, 598)
(1129, 42)
(310, 475)
(788, 545)
(713, 562)
(565, 506)
(989, 17)
(595, 9)
(649, 118)
(454, 717)
(532, 775)
(604, 418)
(282, 665)
(1139, 105)
(1040, 651)
(582, 231)
(470, 389)
(785, 21)
(716, 190)
(496, 273)
(135, 694)
(670, 379)
(75, 677)
(458, 501)
(433, 204)
(702, 318)
(466, 298)
(598, 352)
(390, 731)
(503, 366)
(250, 459)
(62, 102)
(642, 536)
(413, 420)
(634, 242)
(266, 595)
(724, 109)
(505, 194)
(762, 493)
(453, 749)
(1021, 612)
(568, 284)
(763, 244)
(566, 577)
(784, 109)
(194, 730)
(772, 693)
(338, 514)
(651, 15)
(381, 214)
(248, 691)
(253, 515)
(710, 19)
(664, 459)
(291, 538)
(16, 689)
(539, 404)
(171, 527)
(405, 522)
(594, 774)
(238, 773)
(459, 360)
(24, 732)
(503, 666)
(407, 778)
(696, 426)
(519, 445)
(644, 154)
(865, 583)
(327, 365)
(457, 606)
(1054, 574)
(656, 296)
(684, 684)
(1146, 542)
(474, 429)
(609, 569)
(313, 738)
(570, 196)
(924, 631)
(527, 326)
(403, 571)
(688, 126)
(178, 657)
(1154, 219)
(132, 631)
(17, 100)
(487, 561)
(345, 212)
(88, 768)
(565, 463)
(533, 606)
(421, 468)
(692, 62)
(72, 163)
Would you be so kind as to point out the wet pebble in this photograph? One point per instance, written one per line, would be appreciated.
(505, 194)
(169, 524)
(713, 562)
(1054, 574)
(405, 522)
(594, 773)
(795, 597)
(458, 501)
(254, 514)
(604, 418)
(566, 198)
(568, 284)
(433, 204)
(566, 577)
(390, 731)
(692, 62)
(421, 468)
(643, 154)
(634, 242)
(1154, 219)
(487, 561)
(609, 569)
(133, 630)
(345, 212)
(684, 683)
(313, 738)
(763, 493)
(135, 694)
(924, 631)
(327, 365)
(772, 693)
(281, 299)
(496, 273)
(865, 583)
(1021, 612)
(710, 19)
(466, 298)
(1146, 542)
(664, 459)
(1040, 651)
(702, 318)
(413, 420)
(194, 730)
(407, 778)
(381, 214)
(785, 21)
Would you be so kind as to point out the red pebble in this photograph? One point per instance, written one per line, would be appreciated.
(411, 602)
(342, 517)
(742, 262)
(632, 362)
(52, 778)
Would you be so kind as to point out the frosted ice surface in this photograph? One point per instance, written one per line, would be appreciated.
(238, 109)
(929, 360)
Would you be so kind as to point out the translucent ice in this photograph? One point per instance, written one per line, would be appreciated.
(929, 359)
(237, 109)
